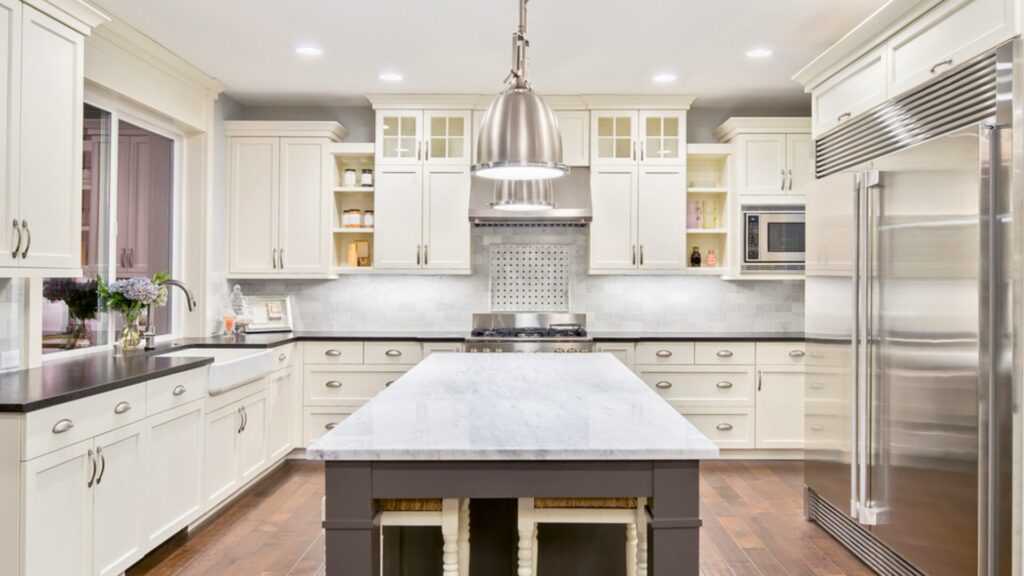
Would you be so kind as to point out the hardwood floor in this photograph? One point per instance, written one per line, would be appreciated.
(752, 511)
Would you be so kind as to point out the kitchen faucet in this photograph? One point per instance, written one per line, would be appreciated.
(150, 332)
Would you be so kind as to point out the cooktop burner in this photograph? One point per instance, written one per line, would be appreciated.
(554, 331)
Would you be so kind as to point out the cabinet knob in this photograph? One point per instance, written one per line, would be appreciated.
(796, 353)
(393, 353)
(332, 384)
(725, 353)
(664, 385)
(330, 425)
(663, 353)
(333, 353)
(178, 390)
(63, 425)
(282, 357)
(724, 427)
(122, 407)
(725, 384)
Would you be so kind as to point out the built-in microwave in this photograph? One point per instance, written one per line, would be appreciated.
(773, 237)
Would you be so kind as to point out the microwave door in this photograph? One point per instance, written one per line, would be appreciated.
(781, 238)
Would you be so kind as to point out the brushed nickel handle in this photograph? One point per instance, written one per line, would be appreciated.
(634, 254)
(389, 383)
(817, 427)
(393, 353)
(937, 65)
(782, 186)
(641, 254)
(426, 150)
(239, 412)
(131, 264)
(633, 155)
(419, 250)
(28, 238)
(92, 461)
(724, 385)
(759, 379)
(664, 385)
(844, 117)
(789, 173)
(332, 384)
(245, 419)
(178, 390)
(280, 258)
(417, 149)
(724, 427)
(63, 425)
(724, 353)
(17, 247)
(817, 385)
(797, 353)
(332, 353)
(426, 252)
(643, 150)
(103, 464)
(282, 357)
(122, 407)
(123, 258)
(330, 425)
(273, 258)
(663, 353)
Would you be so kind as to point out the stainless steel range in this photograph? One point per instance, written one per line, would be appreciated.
(530, 332)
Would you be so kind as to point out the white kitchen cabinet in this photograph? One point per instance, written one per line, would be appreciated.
(448, 137)
(574, 126)
(57, 511)
(661, 218)
(399, 137)
(945, 37)
(613, 191)
(613, 137)
(302, 241)
(780, 407)
(662, 138)
(398, 217)
(852, 91)
(222, 459)
(254, 212)
(252, 440)
(800, 163)
(117, 494)
(446, 230)
(280, 393)
(773, 164)
(627, 137)
(144, 168)
(174, 471)
(10, 65)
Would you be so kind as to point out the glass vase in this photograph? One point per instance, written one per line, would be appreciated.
(131, 334)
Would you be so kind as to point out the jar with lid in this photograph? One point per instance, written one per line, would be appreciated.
(366, 179)
(352, 219)
(350, 179)
(368, 219)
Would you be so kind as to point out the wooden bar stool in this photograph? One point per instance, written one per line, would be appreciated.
(630, 512)
(450, 514)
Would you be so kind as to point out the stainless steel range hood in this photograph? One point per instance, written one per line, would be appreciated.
(572, 204)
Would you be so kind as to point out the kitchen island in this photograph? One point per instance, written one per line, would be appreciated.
(503, 426)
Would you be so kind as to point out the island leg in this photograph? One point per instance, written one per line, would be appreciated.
(675, 519)
(352, 536)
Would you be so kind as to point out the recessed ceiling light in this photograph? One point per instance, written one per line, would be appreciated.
(391, 77)
(309, 50)
(664, 78)
(759, 52)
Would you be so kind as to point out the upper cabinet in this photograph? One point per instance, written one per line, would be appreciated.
(630, 137)
(575, 128)
(432, 137)
(773, 155)
(278, 195)
(898, 49)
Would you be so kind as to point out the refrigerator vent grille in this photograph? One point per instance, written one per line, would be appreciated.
(963, 96)
(850, 534)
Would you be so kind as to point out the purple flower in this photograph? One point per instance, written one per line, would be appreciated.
(139, 289)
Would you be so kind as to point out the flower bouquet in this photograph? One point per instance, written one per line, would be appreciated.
(82, 303)
(129, 296)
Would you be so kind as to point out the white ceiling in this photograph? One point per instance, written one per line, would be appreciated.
(464, 46)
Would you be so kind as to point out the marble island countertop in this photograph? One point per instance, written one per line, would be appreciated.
(515, 407)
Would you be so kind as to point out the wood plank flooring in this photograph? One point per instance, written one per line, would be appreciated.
(752, 511)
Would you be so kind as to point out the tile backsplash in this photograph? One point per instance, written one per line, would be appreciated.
(612, 303)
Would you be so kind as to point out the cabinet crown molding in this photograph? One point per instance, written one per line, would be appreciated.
(556, 101)
(77, 14)
(286, 128)
(768, 125)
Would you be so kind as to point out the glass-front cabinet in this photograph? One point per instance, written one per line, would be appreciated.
(625, 137)
(438, 137)
(399, 136)
(663, 138)
(448, 141)
(613, 137)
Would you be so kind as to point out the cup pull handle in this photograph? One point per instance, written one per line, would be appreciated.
(393, 353)
(664, 385)
(333, 353)
(663, 353)
(389, 383)
(725, 353)
(724, 385)
(817, 427)
(330, 425)
(122, 407)
(797, 353)
(178, 390)
(724, 427)
(937, 65)
(63, 425)
(844, 117)
(332, 384)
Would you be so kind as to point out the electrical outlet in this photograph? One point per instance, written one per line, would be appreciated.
(10, 359)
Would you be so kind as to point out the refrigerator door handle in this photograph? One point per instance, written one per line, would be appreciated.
(855, 496)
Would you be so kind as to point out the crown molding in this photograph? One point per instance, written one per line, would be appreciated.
(556, 101)
(768, 125)
(77, 14)
(638, 101)
(286, 128)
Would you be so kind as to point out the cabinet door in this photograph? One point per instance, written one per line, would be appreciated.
(302, 240)
(799, 162)
(855, 89)
(253, 193)
(575, 128)
(613, 230)
(947, 36)
(50, 170)
(174, 474)
(279, 414)
(398, 217)
(223, 427)
(448, 141)
(399, 136)
(118, 499)
(446, 230)
(252, 441)
(780, 408)
(10, 65)
(133, 186)
(57, 511)
(661, 222)
(613, 136)
(663, 138)
(761, 163)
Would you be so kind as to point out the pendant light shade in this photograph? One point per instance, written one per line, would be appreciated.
(519, 135)
(523, 195)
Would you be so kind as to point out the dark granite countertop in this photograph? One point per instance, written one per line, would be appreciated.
(696, 336)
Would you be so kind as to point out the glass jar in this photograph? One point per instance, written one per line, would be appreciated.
(351, 179)
(366, 180)
(368, 219)
(352, 219)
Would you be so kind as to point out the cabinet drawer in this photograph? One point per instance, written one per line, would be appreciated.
(352, 388)
(710, 386)
(664, 353)
(175, 390)
(853, 90)
(781, 353)
(392, 352)
(332, 352)
(318, 421)
(947, 36)
(727, 429)
(82, 419)
(284, 356)
(724, 353)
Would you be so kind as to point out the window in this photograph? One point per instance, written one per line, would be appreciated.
(124, 234)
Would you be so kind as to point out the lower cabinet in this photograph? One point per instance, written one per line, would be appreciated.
(236, 446)
(279, 414)
(252, 440)
(780, 407)
(320, 420)
(117, 500)
(174, 472)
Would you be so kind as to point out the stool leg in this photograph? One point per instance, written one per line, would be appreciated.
(536, 547)
(464, 538)
(641, 549)
(450, 534)
(631, 540)
(526, 528)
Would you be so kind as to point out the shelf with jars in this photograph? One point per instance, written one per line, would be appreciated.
(708, 207)
(352, 177)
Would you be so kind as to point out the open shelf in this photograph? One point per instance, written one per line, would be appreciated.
(354, 189)
(707, 190)
(706, 231)
(356, 157)
(353, 230)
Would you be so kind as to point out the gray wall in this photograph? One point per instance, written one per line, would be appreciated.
(358, 120)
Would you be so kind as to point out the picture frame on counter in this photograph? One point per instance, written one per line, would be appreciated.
(270, 314)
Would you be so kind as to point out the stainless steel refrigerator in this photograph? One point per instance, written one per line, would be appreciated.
(912, 315)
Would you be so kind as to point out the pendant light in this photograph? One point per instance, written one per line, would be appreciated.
(523, 195)
(519, 136)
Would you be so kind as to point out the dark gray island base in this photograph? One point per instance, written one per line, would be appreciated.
(352, 538)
